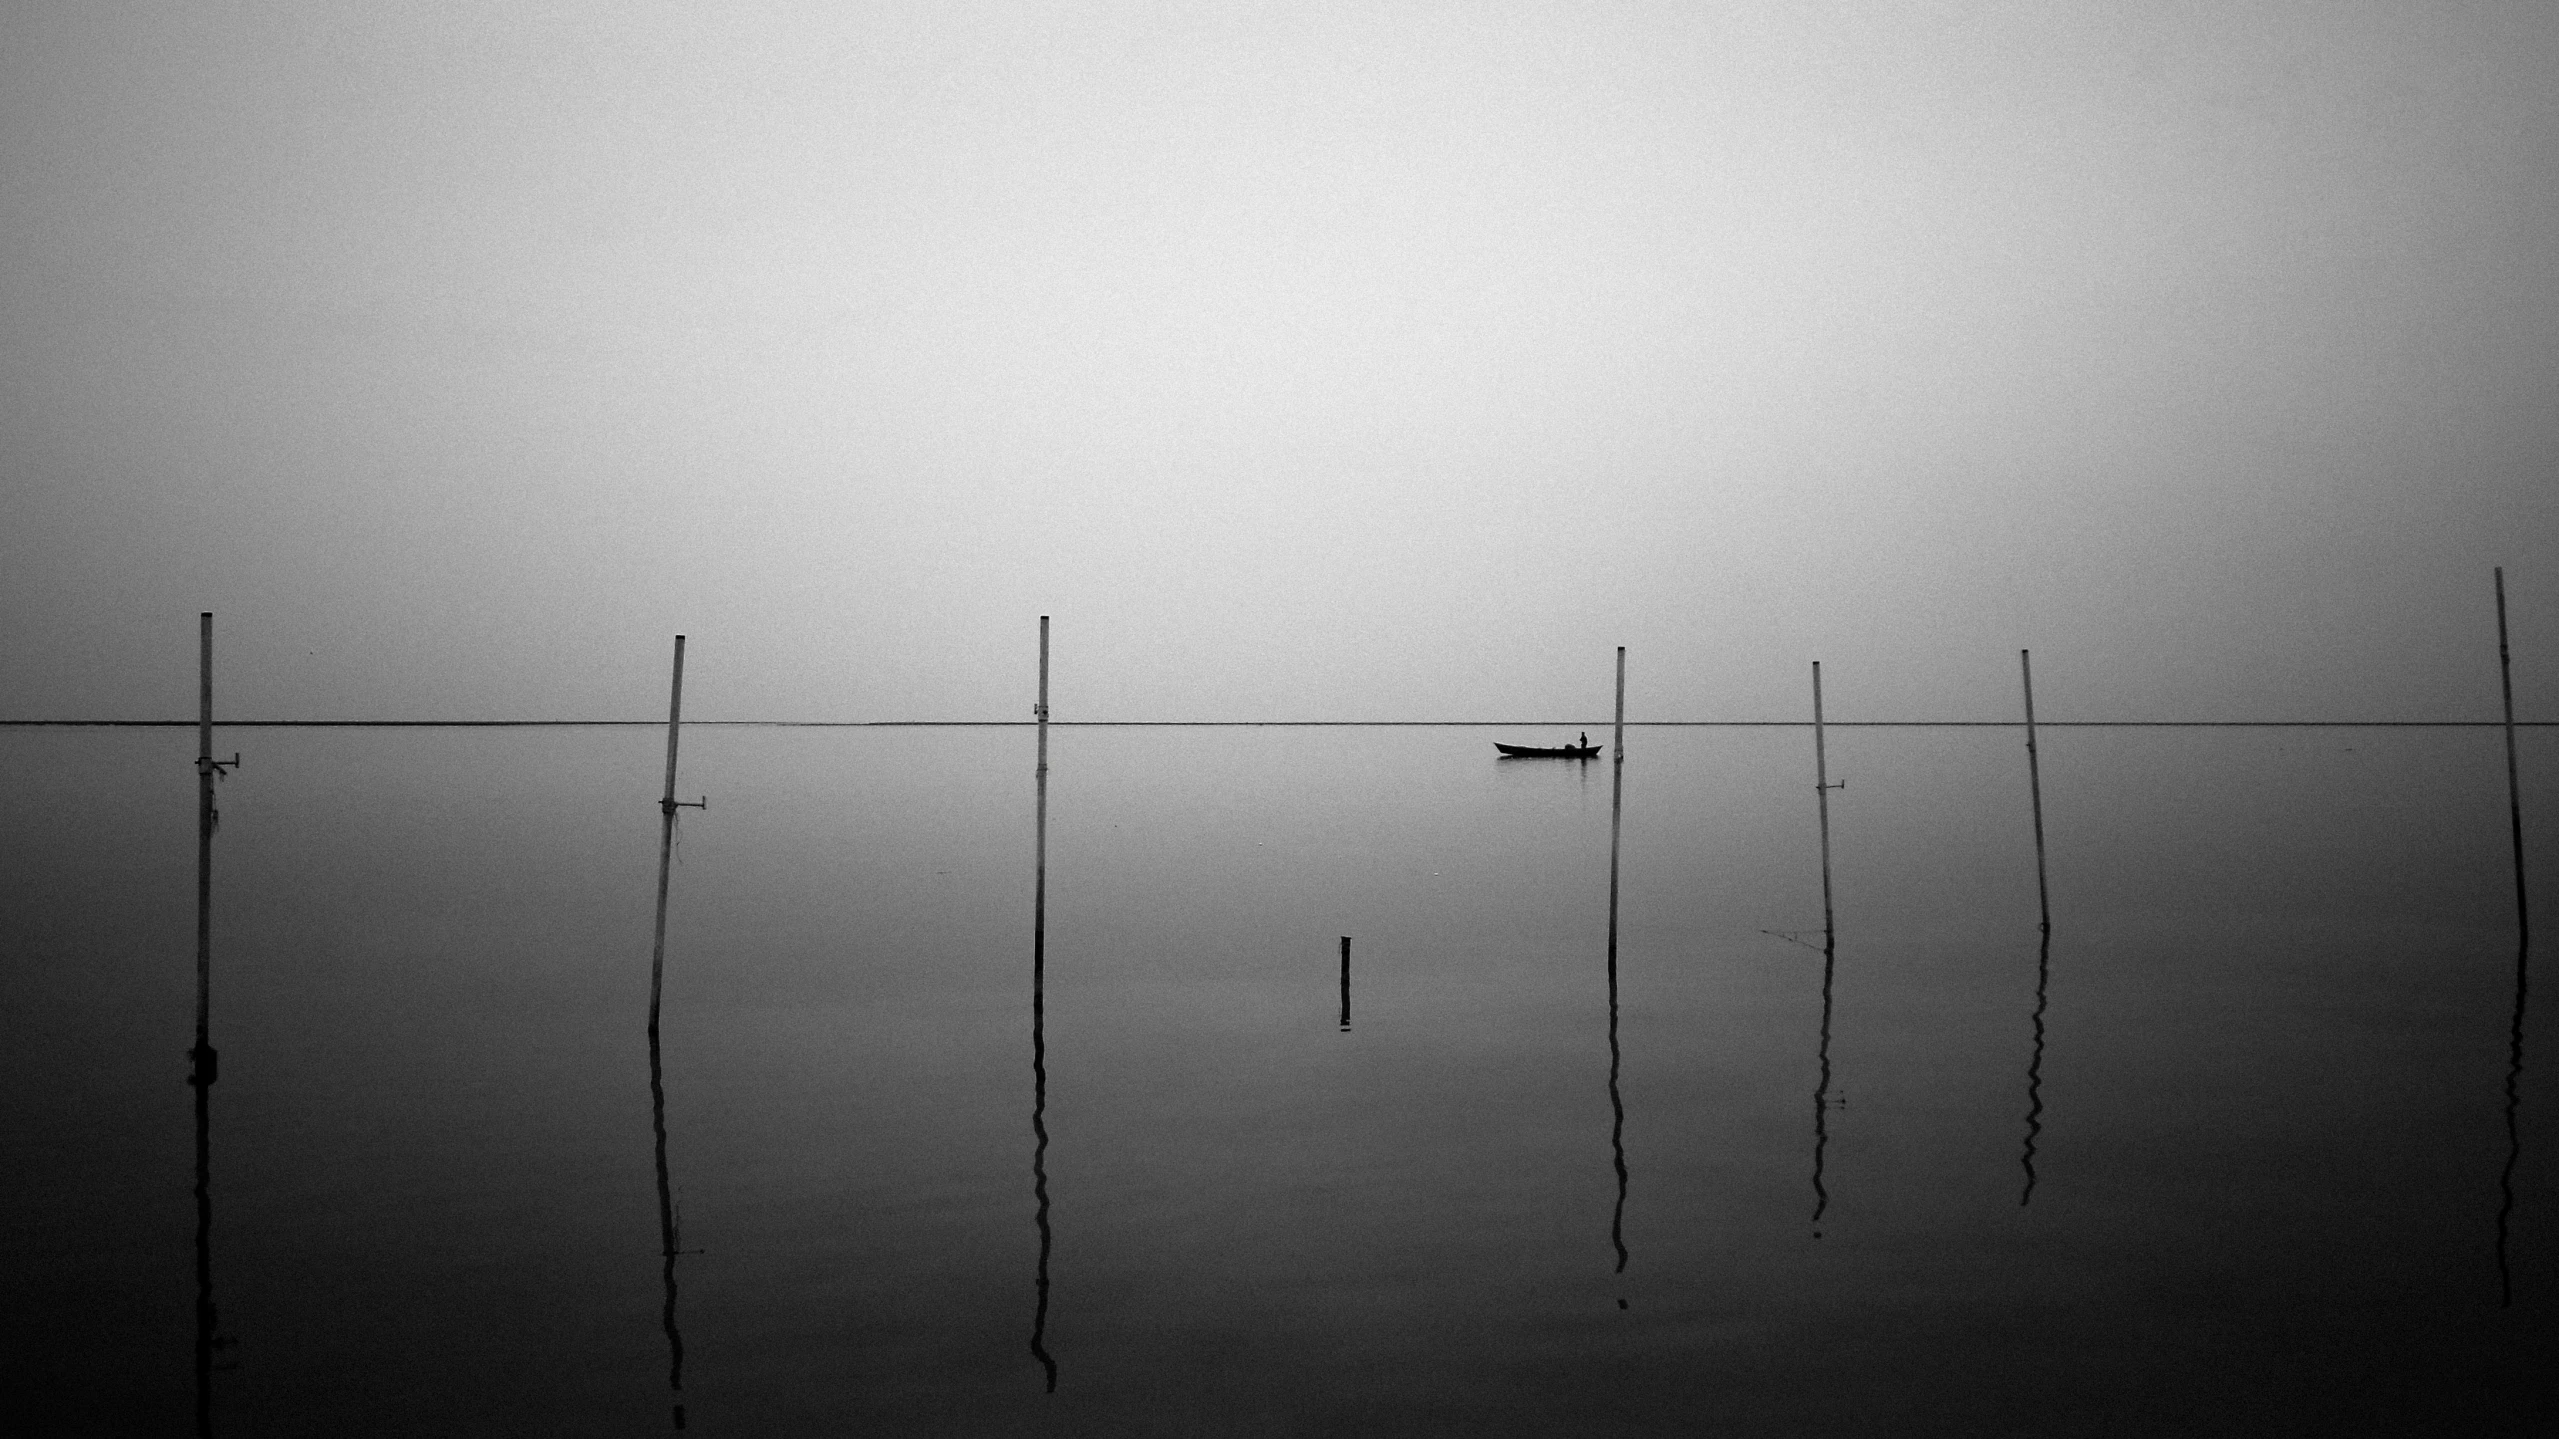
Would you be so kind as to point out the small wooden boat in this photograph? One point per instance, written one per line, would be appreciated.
(1524, 751)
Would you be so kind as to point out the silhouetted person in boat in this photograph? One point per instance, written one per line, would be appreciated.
(1583, 742)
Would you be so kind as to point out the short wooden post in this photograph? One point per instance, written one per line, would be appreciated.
(1620, 737)
(1346, 984)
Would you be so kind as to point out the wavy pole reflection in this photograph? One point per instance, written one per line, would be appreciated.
(1039, 1019)
(1616, 1100)
(2514, 1136)
(1821, 1091)
(205, 1315)
(667, 1245)
(2035, 1067)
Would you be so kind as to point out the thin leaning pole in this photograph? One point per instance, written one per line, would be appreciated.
(203, 1063)
(666, 837)
(1039, 1024)
(206, 768)
(1616, 1098)
(1830, 955)
(668, 805)
(2514, 787)
(2035, 792)
(669, 1244)
(2523, 967)
(1822, 788)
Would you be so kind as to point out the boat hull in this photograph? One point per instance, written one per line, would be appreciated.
(1522, 751)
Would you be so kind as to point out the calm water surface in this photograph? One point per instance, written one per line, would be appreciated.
(2236, 1155)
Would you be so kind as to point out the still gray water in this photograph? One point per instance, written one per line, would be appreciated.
(2246, 1149)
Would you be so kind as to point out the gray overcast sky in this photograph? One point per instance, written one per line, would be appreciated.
(1349, 361)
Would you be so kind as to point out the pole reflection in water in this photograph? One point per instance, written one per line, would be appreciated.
(666, 1236)
(1616, 1101)
(2035, 1066)
(204, 1311)
(1821, 1092)
(2514, 1136)
(667, 1245)
(1039, 1017)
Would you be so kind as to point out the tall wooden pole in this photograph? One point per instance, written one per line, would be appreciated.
(2514, 787)
(1616, 1101)
(669, 1244)
(205, 770)
(1616, 815)
(1039, 1023)
(202, 1063)
(666, 834)
(2523, 962)
(1830, 952)
(1821, 788)
(2035, 791)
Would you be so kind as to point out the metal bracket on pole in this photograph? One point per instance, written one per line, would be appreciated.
(670, 806)
(207, 764)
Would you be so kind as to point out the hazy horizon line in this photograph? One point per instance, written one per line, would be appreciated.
(1584, 724)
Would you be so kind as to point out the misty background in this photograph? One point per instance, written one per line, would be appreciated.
(1304, 361)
